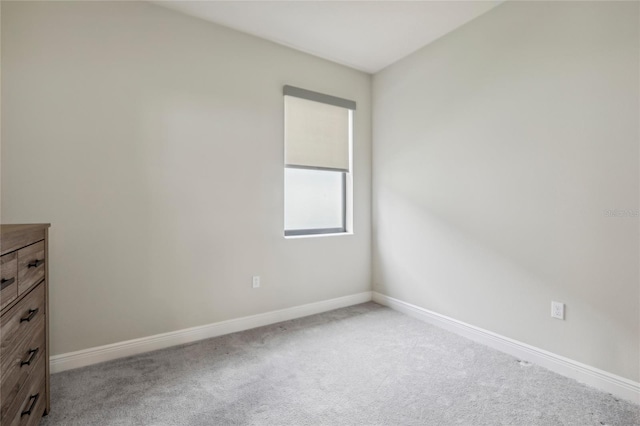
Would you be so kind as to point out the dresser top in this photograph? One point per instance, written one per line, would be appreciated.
(8, 229)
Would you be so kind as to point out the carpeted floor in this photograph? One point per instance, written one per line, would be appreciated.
(362, 365)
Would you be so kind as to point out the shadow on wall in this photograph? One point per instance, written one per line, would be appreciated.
(433, 263)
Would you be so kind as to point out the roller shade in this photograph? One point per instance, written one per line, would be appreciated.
(316, 130)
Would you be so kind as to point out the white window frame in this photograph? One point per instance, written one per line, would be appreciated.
(347, 176)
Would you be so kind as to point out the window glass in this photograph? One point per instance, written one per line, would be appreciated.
(314, 199)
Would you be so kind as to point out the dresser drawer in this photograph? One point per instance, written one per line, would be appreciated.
(8, 279)
(29, 405)
(18, 236)
(20, 364)
(20, 323)
(31, 268)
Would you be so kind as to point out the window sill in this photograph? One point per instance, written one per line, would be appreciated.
(335, 234)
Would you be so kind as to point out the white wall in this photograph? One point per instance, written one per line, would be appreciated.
(153, 143)
(497, 150)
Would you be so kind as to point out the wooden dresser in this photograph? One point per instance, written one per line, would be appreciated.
(24, 324)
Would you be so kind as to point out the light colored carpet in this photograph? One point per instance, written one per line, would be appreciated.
(362, 365)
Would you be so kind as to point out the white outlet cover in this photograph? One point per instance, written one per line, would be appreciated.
(255, 282)
(557, 310)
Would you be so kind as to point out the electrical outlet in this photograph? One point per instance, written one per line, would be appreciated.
(256, 281)
(557, 310)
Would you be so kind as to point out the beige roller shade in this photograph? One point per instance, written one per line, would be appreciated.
(316, 134)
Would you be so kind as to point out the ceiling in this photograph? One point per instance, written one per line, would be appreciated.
(366, 35)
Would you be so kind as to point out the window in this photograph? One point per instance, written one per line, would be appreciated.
(317, 175)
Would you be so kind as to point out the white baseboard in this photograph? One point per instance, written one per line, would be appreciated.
(98, 354)
(616, 385)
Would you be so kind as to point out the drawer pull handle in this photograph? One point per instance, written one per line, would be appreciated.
(6, 282)
(32, 354)
(32, 313)
(33, 399)
(35, 263)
